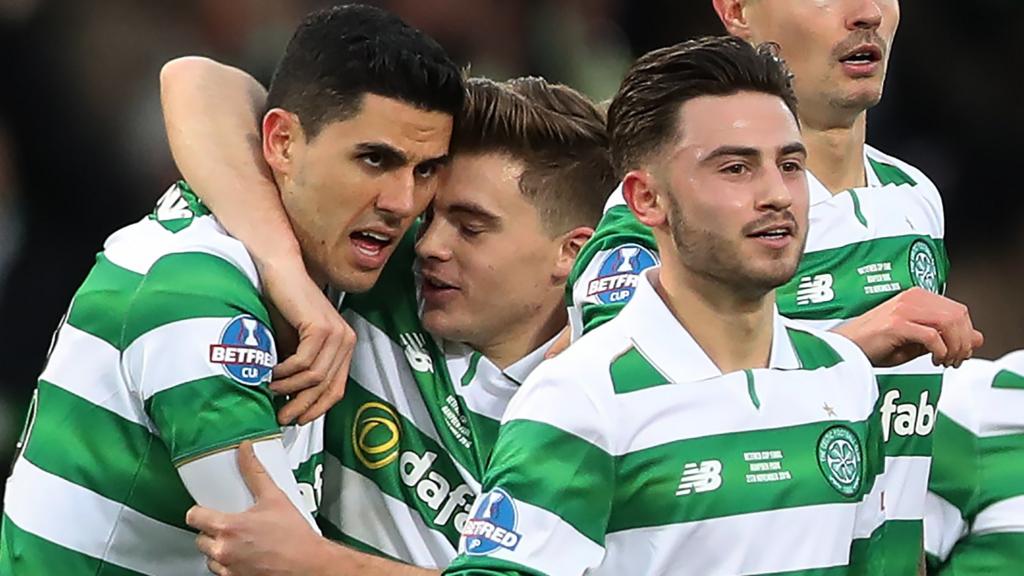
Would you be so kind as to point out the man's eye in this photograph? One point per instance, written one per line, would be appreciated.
(374, 159)
(735, 169)
(470, 231)
(425, 170)
(792, 167)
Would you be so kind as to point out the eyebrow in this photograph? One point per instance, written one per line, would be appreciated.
(394, 157)
(751, 152)
(390, 154)
(474, 210)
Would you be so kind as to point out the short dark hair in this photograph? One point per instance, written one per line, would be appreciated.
(643, 116)
(339, 54)
(558, 134)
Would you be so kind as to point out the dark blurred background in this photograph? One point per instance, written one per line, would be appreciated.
(82, 148)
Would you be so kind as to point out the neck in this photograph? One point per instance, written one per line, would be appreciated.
(515, 342)
(733, 329)
(835, 154)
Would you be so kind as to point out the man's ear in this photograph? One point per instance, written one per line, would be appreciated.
(643, 198)
(282, 134)
(733, 14)
(571, 244)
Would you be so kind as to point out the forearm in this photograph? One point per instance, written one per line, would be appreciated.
(212, 114)
(215, 481)
(334, 559)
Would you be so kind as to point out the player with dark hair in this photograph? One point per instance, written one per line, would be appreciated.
(698, 432)
(161, 366)
(442, 344)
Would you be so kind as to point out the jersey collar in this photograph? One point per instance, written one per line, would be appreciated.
(668, 346)
(818, 193)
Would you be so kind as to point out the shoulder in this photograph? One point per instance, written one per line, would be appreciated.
(905, 173)
(844, 348)
(201, 274)
(573, 390)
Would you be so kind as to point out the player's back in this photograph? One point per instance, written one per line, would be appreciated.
(161, 358)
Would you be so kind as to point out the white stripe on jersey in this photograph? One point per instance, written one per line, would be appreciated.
(552, 545)
(1003, 516)
(943, 526)
(783, 549)
(54, 509)
(166, 357)
(88, 367)
(378, 519)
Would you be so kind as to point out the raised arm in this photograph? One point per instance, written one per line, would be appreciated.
(212, 114)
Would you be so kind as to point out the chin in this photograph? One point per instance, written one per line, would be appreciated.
(353, 281)
(441, 325)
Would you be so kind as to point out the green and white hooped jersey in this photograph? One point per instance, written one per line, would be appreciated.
(631, 453)
(407, 445)
(864, 246)
(163, 357)
(975, 510)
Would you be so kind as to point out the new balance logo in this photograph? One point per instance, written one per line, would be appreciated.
(703, 477)
(415, 346)
(815, 290)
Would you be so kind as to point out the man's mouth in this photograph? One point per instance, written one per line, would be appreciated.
(371, 242)
(773, 232)
(862, 55)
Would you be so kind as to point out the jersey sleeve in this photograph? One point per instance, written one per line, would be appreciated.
(605, 274)
(198, 355)
(548, 490)
(977, 496)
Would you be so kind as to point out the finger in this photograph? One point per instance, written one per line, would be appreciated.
(560, 344)
(331, 396)
(311, 342)
(217, 568)
(959, 328)
(206, 520)
(298, 405)
(255, 475)
(208, 545)
(313, 376)
(928, 337)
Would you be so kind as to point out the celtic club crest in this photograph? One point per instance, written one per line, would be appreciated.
(923, 270)
(840, 460)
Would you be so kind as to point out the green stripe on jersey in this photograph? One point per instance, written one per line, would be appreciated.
(94, 448)
(581, 487)
(845, 282)
(631, 372)
(900, 546)
(100, 305)
(206, 415)
(368, 435)
(25, 554)
(912, 412)
(648, 478)
(995, 554)
(813, 352)
(191, 285)
(1008, 380)
(889, 174)
(999, 467)
(954, 474)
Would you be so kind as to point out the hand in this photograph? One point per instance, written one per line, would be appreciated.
(271, 538)
(318, 370)
(560, 344)
(914, 323)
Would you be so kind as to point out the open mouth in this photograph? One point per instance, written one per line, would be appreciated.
(863, 55)
(776, 232)
(371, 242)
